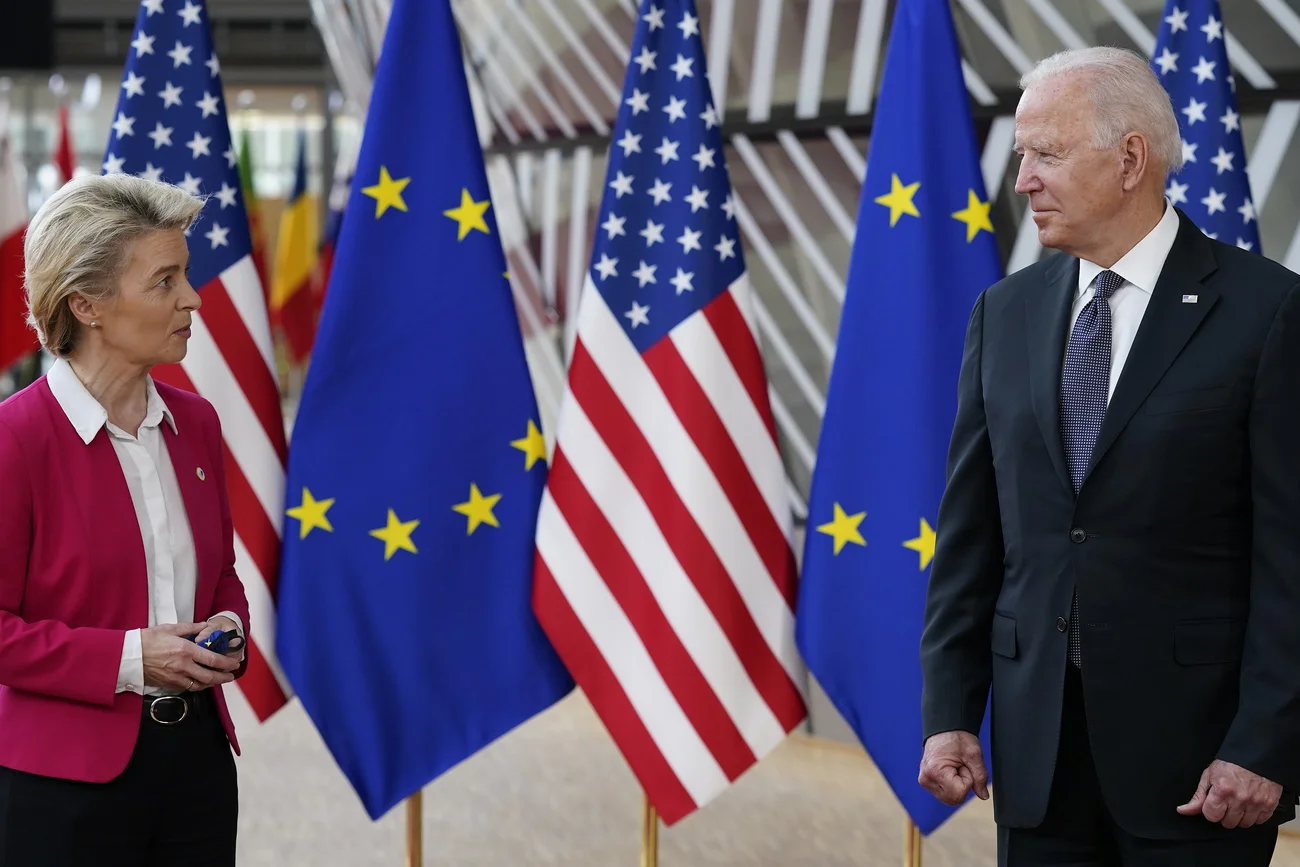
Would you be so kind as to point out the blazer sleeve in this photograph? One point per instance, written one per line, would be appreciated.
(1265, 733)
(46, 657)
(966, 574)
(229, 594)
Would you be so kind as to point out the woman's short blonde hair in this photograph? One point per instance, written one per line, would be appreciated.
(78, 241)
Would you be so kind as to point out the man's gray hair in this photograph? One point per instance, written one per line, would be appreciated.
(1126, 98)
(78, 241)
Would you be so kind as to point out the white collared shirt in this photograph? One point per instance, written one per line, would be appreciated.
(170, 565)
(1140, 267)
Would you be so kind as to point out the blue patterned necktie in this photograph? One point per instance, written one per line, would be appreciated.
(1085, 390)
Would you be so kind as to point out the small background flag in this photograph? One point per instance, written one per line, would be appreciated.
(1191, 60)
(17, 339)
(293, 282)
(339, 191)
(417, 462)
(924, 251)
(65, 156)
(254, 209)
(665, 573)
(170, 125)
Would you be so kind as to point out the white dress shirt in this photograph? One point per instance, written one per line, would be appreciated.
(1140, 267)
(170, 565)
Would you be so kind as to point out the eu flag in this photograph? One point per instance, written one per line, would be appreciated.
(924, 251)
(416, 466)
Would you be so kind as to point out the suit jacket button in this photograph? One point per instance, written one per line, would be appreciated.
(1062, 624)
(1078, 536)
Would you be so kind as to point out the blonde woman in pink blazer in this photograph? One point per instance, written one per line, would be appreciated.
(116, 553)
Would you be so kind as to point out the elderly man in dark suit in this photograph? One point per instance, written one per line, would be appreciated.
(1119, 543)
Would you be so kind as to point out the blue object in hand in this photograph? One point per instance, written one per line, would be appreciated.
(220, 641)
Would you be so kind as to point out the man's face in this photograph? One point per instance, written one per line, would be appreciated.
(1074, 188)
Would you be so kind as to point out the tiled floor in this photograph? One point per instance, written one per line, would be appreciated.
(555, 792)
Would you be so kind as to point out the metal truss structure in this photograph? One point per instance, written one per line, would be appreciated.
(794, 81)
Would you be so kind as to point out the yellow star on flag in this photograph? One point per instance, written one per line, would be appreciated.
(469, 215)
(975, 215)
(311, 514)
(396, 535)
(899, 199)
(844, 528)
(923, 544)
(387, 193)
(533, 445)
(478, 509)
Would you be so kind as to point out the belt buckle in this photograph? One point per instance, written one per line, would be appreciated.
(157, 700)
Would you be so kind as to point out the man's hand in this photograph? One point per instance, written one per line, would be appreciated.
(171, 660)
(952, 765)
(1232, 796)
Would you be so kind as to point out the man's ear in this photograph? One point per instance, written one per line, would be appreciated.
(1135, 160)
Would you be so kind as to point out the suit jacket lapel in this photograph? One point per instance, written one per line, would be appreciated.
(1167, 325)
(1048, 319)
(109, 518)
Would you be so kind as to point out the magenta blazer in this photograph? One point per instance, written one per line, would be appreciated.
(72, 579)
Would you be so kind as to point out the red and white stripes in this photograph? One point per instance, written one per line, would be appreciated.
(666, 577)
(230, 364)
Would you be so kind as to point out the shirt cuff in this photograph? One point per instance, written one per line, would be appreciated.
(130, 673)
(239, 624)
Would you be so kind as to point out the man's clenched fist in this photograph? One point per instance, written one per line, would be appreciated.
(953, 765)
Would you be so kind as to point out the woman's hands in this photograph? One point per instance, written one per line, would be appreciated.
(173, 661)
(225, 624)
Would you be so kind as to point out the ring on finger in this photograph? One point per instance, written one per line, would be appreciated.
(191, 686)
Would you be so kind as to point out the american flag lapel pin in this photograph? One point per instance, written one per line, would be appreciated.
(1190, 299)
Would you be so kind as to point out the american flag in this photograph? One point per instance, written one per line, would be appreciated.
(665, 573)
(170, 124)
(1191, 60)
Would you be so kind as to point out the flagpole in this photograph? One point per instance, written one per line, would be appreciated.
(415, 830)
(911, 844)
(649, 833)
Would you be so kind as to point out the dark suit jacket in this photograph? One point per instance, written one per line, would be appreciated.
(1183, 543)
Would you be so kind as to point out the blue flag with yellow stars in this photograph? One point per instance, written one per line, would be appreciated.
(416, 465)
(923, 253)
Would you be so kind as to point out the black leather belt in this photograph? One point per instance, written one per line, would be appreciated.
(170, 710)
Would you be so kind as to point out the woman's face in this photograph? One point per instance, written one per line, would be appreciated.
(148, 322)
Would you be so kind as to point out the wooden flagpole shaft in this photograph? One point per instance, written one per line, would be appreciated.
(649, 834)
(911, 845)
(415, 830)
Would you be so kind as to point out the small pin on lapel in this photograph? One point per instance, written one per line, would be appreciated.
(198, 471)
(1190, 299)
